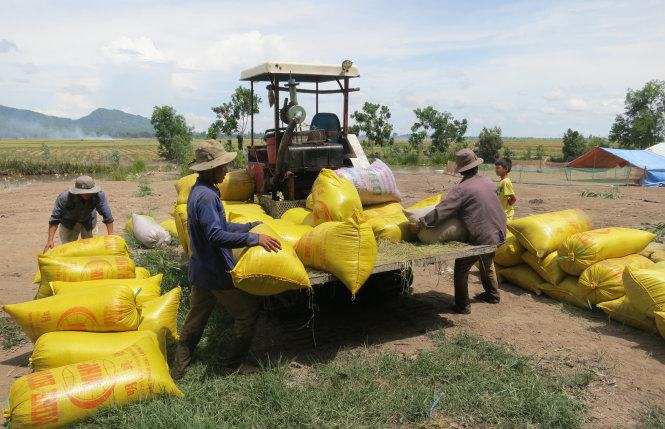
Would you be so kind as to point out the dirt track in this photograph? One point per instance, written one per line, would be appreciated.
(629, 364)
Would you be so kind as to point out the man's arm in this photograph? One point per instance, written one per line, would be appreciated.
(240, 227)
(51, 236)
(219, 237)
(445, 209)
(53, 222)
(104, 210)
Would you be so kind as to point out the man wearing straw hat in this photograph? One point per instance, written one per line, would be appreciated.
(475, 203)
(74, 212)
(211, 239)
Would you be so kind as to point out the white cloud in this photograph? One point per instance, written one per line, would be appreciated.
(554, 94)
(576, 105)
(7, 46)
(141, 49)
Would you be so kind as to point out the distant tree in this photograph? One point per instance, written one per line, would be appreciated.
(233, 116)
(417, 139)
(527, 153)
(444, 127)
(596, 141)
(540, 152)
(373, 121)
(574, 145)
(46, 152)
(643, 122)
(508, 152)
(489, 144)
(173, 134)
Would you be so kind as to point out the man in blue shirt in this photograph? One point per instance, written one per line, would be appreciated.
(74, 212)
(211, 239)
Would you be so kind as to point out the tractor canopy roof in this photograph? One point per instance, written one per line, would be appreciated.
(266, 72)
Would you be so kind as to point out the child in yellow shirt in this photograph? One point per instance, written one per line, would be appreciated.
(504, 189)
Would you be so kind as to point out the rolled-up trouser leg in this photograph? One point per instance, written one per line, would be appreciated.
(461, 280)
(244, 309)
(488, 275)
(201, 304)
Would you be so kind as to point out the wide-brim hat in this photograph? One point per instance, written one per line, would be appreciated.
(84, 185)
(466, 159)
(210, 154)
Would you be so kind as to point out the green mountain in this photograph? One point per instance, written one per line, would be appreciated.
(112, 123)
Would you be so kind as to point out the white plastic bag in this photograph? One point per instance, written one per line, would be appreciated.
(451, 229)
(148, 232)
(375, 184)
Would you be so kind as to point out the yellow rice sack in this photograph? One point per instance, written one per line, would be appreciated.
(142, 272)
(109, 245)
(309, 220)
(92, 310)
(241, 208)
(646, 288)
(160, 315)
(129, 226)
(144, 289)
(169, 225)
(55, 349)
(523, 276)
(660, 322)
(542, 234)
(347, 250)
(309, 203)
(296, 215)
(333, 198)
(652, 247)
(658, 256)
(180, 217)
(568, 291)
(547, 267)
(388, 221)
(289, 232)
(183, 186)
(579, 251)
(510, 252)
(80, 268)
(247, 217)
(604, 279)
(264, 273)
(622, 310)
(62, 396)
(238, 185)
(426, 202)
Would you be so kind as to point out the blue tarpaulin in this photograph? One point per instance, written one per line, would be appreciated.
(602, 157)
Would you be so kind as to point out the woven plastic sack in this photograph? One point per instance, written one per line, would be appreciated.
(542, 234)
(92, 310)
(451, 229)
(388, 221)
(547, 267)
(148, 232)
(646, 288)
(160, 315)
(238, 185)
(80, 268)
(55, 349)
(247, 217)
(523, 276)
(109, 245)
(622, 310)
(604, 280)
(260, 272)
(241, 208)
(375, 184)
(309, 202)
(347, 250)
(568, 291)
(296, 215)
(510, 252)
(660, 322)
(129, 226)
(289, 232)
(183, 186)
(62, 396)
(142, 272)
(180, 217)
(579, 251)
(658, 256)
(333, 198)
(169, 225)
(427, 202)
(144, 289)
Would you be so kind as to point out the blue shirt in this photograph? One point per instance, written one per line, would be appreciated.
(211, 238)
(70, 209)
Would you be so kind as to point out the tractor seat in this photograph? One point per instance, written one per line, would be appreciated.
(328, 122)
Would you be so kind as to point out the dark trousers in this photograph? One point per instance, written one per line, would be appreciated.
(243, 308)
(487, 277)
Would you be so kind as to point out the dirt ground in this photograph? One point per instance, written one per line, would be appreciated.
(629, 365)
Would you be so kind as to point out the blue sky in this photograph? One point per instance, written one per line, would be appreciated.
(534, 68)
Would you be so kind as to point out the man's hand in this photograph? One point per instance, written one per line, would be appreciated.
(49, 246)
(269, 243)
(414, 227)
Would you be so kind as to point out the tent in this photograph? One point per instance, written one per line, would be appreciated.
(658, 149)
(651, 164)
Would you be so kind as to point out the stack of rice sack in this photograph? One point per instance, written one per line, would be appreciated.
(236, 189)
(97, 258)
(98, 343)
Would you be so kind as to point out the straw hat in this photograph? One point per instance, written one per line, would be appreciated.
(84, 185)
(466, 160)
(210, 154)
